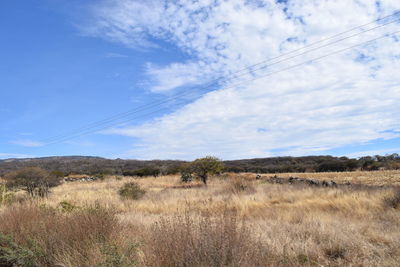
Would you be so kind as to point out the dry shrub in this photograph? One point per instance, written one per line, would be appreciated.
(393, 201)
(132, 191)
(203, 240)
(238, 185)
(335, 252)
(6, 197)
(45, 237)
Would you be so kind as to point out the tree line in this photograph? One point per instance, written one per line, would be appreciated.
(100, 166)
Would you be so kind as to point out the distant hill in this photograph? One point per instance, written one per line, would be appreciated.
(98, 165)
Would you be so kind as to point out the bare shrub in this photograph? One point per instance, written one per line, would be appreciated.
(206, 240)
(131, 190)
(335, 252)
(34, 180)
(49, 238)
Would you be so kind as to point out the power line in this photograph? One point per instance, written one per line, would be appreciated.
(165, 101)
(248, 69)
(260, 77)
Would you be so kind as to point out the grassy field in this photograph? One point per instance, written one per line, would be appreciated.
(233, 221)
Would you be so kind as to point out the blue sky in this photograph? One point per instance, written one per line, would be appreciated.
(66, 64)
(54, 80)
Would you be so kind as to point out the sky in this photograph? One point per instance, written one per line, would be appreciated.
(185, 79)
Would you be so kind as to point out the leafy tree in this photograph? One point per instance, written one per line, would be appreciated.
(34, 180)
(204, 167)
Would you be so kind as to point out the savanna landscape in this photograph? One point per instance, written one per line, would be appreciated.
(236, 219)
(200, 133)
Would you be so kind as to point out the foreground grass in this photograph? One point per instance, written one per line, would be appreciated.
(234, 221)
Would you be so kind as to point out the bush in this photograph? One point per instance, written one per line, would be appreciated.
(186, 177)
(131, 190)
(12, 254)
(5, 196)
(186, 172)
(65, 206)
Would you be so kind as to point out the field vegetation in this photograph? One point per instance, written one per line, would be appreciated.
(234, 220)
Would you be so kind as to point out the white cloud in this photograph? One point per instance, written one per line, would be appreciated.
(125, 22)
(115, 55)
(174, 75)
(27, 143)
(345, 99)
(373, 152)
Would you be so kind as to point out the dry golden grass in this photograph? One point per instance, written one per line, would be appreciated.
(356, 177)
(296, 225)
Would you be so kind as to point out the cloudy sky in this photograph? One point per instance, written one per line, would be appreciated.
(184, 79)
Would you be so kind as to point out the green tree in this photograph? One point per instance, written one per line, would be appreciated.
(204, 167)
(34, 180)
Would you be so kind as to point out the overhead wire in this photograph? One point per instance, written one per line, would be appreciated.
(257, 78)
(249, 70)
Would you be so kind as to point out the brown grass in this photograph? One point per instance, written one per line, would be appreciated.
(81, 238)
(206, 240)
(233, 221)
(356, 177)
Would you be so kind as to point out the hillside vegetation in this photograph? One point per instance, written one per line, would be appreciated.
(96, 165)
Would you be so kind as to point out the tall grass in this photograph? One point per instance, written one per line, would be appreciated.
(235, 221)
(51, 238)
(205, 240)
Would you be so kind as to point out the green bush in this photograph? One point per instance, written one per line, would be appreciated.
(115, 258)
(186, 177)
(131, 190)
(186, 172)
